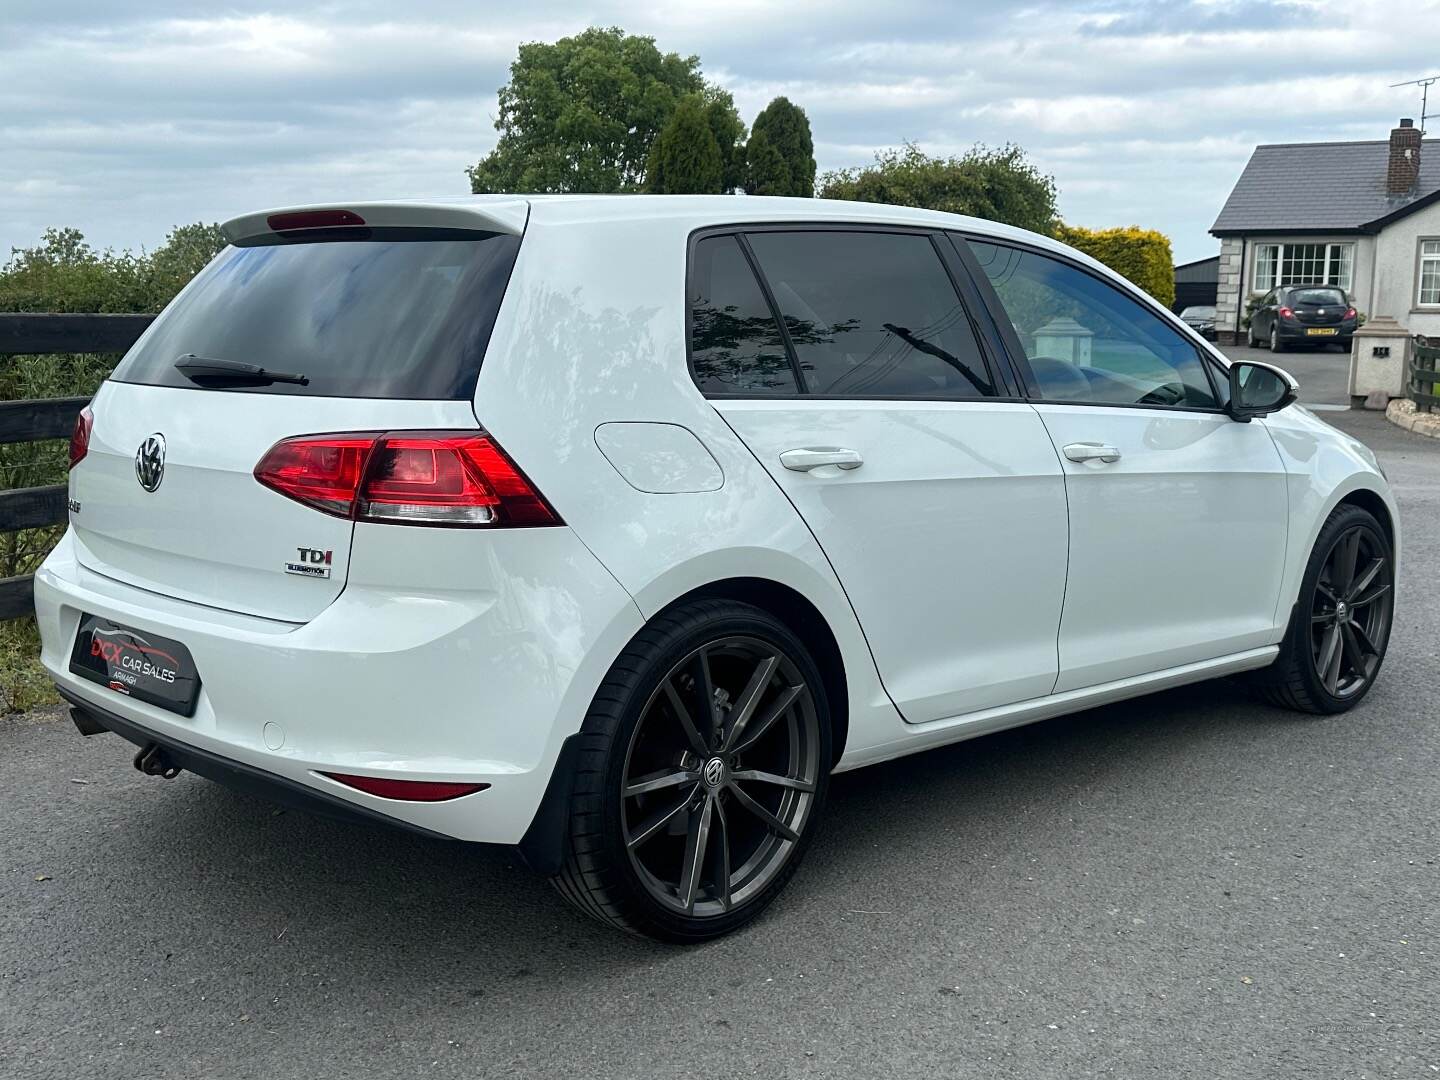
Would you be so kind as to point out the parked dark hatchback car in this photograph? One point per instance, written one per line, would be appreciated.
(1303, 315)
(1201, 319)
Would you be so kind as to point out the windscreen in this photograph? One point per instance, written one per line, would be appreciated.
(384, 315)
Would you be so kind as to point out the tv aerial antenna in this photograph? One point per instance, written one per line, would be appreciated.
(1424, 84)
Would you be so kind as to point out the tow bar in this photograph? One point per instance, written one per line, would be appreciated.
(153, 761)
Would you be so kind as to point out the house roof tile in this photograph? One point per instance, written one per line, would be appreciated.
(1329, 185)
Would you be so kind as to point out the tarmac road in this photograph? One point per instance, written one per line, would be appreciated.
(1185, 885)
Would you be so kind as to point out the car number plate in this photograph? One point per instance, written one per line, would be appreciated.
(1321, 331)
(136, 663)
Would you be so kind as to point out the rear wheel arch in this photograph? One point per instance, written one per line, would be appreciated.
(804, 618)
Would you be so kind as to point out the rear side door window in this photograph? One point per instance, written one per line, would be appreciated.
(1086, 341)
(871, 314)
(735, 342)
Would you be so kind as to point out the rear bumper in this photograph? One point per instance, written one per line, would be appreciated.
(235, 774)
(480, 683)
(1298, 332)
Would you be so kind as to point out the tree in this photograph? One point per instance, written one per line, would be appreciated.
(685, 159)
(580, 114)
(729, 131)
(997, 184)
(780, 157)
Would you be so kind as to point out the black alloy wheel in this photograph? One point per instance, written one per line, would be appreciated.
(703, 769)
(1350, 612)
(720, 776)
(1340, 626)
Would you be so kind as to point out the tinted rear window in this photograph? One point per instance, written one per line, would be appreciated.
(872, 314)
(374, 317)
(1318, 296)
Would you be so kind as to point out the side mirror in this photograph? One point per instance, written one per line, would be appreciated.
(1259, 389)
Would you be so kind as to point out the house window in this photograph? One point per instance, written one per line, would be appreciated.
(1303, 264)
(1430, 271)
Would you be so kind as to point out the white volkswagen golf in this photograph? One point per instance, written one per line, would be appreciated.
(610, 528)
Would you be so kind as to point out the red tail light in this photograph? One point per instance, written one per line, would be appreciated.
(409, 790)
(1350, 313)
(1286, 313)
(406, 477)
(80, 436)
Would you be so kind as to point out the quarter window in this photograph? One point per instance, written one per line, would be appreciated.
(1086, 340)
(1429, 272)
(735, 343)
(872, 314)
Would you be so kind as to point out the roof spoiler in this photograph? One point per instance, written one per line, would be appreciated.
(479, 215)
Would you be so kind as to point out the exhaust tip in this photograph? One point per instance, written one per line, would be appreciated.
(85, 723)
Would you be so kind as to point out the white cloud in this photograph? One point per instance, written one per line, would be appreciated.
(125, 120)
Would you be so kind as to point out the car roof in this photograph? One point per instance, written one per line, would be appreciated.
(515, 213)
(509, 213)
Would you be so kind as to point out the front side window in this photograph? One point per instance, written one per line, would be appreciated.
(1086, 341)
(872, 314)
(1429, 272)
(735, 343)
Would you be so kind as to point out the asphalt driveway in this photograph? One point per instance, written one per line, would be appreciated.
(1323, 371)
(1186, 885)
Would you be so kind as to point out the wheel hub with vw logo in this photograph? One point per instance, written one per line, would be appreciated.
(150, 462)
(715, 773)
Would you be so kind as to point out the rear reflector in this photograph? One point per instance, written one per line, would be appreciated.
(408, 790)
(313, 219)
(80, 436)
(441, 478)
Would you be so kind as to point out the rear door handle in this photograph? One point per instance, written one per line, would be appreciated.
(812, 457)
(1091, 451)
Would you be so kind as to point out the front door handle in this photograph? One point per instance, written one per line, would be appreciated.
(812, 457)
(1091, 451)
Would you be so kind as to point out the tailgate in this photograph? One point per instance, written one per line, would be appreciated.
(209, 532)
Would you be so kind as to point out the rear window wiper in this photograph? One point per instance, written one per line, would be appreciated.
(203, 369)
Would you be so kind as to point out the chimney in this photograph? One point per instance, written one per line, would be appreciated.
(1404, 170)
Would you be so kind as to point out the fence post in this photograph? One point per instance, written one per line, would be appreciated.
(1425, 373)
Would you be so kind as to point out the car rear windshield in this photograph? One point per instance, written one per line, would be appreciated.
(1317, 296)
(387, 315)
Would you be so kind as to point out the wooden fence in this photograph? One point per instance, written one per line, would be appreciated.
(1425, 373)
(48, 418)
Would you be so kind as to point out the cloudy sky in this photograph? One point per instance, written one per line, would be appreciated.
(126, 118)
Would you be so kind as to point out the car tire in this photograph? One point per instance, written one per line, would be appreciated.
(1340, 627)
(1251, 341)
(652, 861)
(1276, 345)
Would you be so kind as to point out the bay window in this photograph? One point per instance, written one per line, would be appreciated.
(1303, 264)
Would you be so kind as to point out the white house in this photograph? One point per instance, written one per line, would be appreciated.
(1361, 215)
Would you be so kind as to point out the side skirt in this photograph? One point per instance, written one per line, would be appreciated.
(972, 725)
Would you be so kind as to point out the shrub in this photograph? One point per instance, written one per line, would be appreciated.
(1140, 255)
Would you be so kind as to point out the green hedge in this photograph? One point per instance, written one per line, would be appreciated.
(1141, 255)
